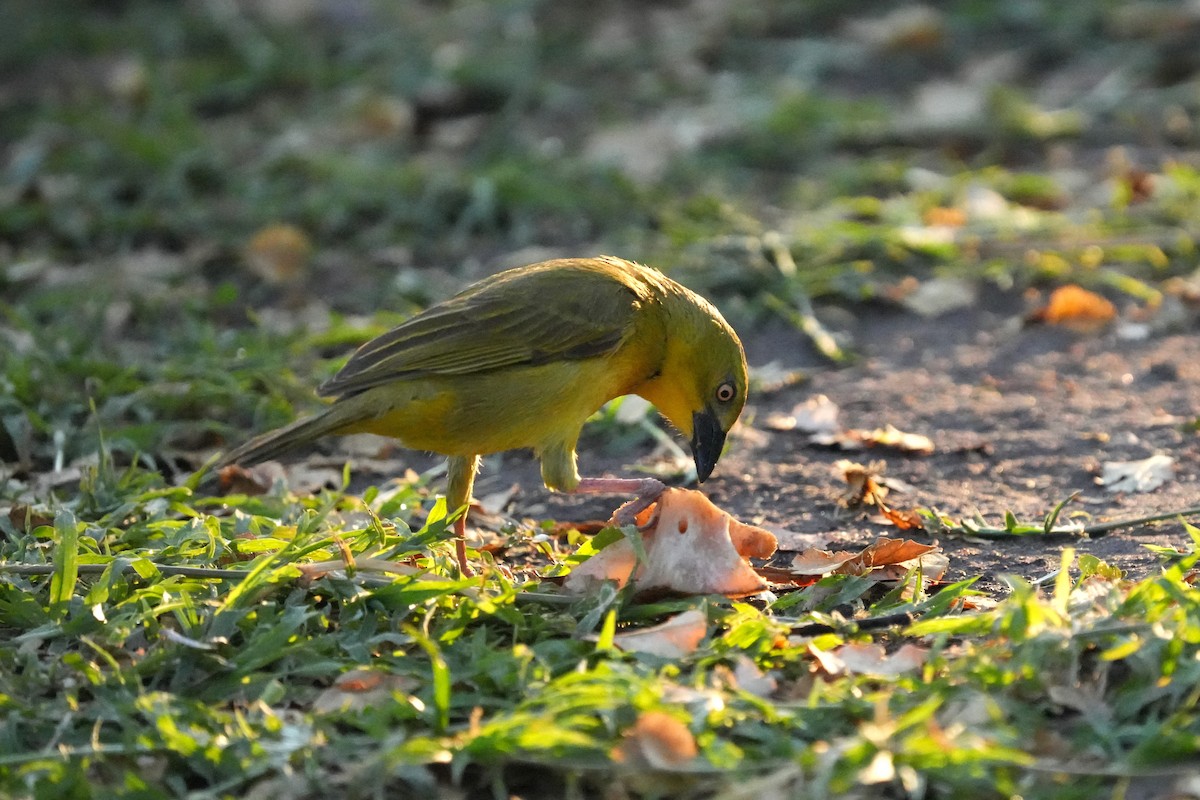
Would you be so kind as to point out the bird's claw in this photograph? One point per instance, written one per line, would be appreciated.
(648, 494)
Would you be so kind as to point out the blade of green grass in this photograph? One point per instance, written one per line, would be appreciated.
(66, 563)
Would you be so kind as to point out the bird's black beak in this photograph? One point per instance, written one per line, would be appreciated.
(707, 441)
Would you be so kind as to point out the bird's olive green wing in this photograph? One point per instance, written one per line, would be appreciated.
(524, 317)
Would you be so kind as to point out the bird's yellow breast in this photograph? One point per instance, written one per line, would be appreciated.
(530, 406)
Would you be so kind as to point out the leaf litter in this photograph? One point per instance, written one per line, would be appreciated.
(691, 546)
(541, 689)
(817, 417)
(1145, 475)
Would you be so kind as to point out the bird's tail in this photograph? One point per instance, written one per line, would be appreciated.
(277, 442)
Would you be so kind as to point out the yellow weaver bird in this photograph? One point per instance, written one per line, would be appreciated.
(521, 360)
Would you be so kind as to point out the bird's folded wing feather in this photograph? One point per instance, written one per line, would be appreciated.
(540, 318)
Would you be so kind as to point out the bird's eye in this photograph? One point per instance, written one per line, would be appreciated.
(726, 392)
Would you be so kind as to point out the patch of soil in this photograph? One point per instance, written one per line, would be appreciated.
(1022, 417)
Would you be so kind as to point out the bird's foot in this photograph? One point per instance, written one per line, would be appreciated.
(645, 492)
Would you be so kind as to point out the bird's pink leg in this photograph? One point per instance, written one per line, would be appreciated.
(644, 490)
(460, 546)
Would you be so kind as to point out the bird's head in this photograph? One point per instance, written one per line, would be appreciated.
(701, 387)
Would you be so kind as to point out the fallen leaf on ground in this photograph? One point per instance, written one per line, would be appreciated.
(751, 541)
(749, 678)
(784, 576)
(361, 689)
(588, 527)
(1076, 308)
(1138, 476)
(883, 552)
(675, 638)
(892, 551)
(279, 254)
(939, 296)
(657, 740)
(816, 415)
(497, 501)
(933, 566)
(882, 769)
(910, 27)
(820, 562)
(947, 217)
(773, 376)
(904, 519)
(236, 479)
(864, 487)
(691, 547)
(303, 477)
(306, 478)
(1085, 699)
(872, 659)
(25, 518)
(699, 702)
(826, 659)
(818, 418)
(890, 436)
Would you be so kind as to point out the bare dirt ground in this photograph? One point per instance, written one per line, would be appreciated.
(1022, 416)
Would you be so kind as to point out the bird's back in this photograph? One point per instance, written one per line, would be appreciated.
(562, 310)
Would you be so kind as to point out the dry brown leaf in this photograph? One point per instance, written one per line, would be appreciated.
(784, 576)
(236, 479)
(864, 487)
(385, 116)
(1076, 308)
(933, 567)
(942, 215)
(302, 477)
(818, 418)
(892, 551)
(588, 527)
(691, 547)
(279, 254)
(904, 519)
(309, 477)
(658, 741)
(361, 689)
(750, 541)
(1139, 185)
(749, 678)
(890, 436)
(25, 518)
(883, 552)
(872, 659)
(820, 562)
(675, 638)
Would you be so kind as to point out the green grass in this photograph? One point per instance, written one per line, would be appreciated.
(159, 641)
(120, 672)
